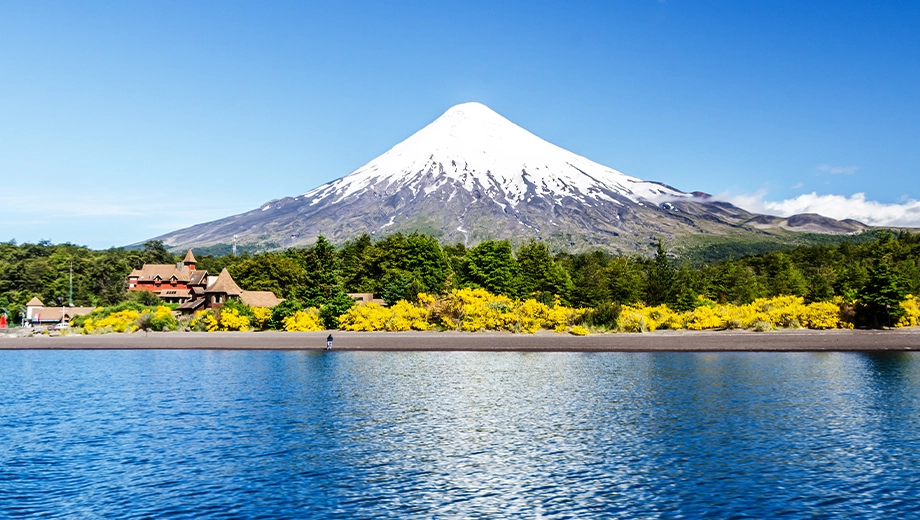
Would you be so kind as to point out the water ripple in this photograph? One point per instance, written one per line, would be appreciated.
(229, 434)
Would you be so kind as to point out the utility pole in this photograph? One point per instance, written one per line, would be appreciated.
(70, 299)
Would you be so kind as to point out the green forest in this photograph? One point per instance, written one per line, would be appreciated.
(874, 275)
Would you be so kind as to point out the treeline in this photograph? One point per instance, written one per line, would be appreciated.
(44, 270)
(874, 277)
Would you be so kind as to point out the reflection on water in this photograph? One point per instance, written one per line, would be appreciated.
(458, 434)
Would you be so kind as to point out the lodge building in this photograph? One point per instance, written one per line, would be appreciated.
(194, 289)
(39, 315)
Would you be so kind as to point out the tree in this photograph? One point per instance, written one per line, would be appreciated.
(335, 306)
(155, 252)
(491, 265)
(455, 255)
(659, 281)
(426, 260)
(686, 289)
(146, 298)
(416, 256)
(735, 283)
(782, 277)
(880, 299)
(269, 272)
(625, 280)
(588, 272)
(355, 259)
(541, 277)
(401, 285)
(322, 287)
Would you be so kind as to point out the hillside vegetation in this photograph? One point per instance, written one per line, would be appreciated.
(867, 280)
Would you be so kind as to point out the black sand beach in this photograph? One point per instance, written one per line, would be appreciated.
(664, 341)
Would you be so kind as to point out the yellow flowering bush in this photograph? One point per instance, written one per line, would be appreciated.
(401, 316)
(210, 322)
(781, 311)
(632, 320)
(426, 300)
(476, 309)
(204, 320)
(529, 315)
(911, 308)
(821, 315)
(745, 317)
(578, 330)
(303, 321)
(224, 320)
(464, 309)
(559, 317)
(88, 326)
(705, 317)
(230, 319)
(121, 321)
(161, 319)
(405, 316)
(648, 319)
(366, 317)
(761, 314)
(262, 315)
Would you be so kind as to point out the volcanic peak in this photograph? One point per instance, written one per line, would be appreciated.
(473, 148)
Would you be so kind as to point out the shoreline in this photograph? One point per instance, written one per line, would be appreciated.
(801, 340)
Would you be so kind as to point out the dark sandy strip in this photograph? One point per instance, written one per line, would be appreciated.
(676, 341)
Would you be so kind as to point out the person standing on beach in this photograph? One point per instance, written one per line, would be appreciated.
(329, 342)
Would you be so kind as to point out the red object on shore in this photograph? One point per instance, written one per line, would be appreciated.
(3, 321)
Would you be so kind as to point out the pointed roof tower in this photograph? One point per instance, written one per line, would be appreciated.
(35, 302)
(224, 284)
(189, 260)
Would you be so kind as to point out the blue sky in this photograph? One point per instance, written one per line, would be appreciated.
(120, 121)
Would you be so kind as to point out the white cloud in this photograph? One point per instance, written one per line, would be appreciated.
(840, 207)
(837, 170)
(856, 207)
(752, 202)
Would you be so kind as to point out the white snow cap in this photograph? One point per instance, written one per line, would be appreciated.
(472, 146)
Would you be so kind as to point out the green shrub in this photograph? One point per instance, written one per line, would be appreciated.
(603, 316)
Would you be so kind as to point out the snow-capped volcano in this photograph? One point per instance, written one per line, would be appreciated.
(471, 147)
(473, 175)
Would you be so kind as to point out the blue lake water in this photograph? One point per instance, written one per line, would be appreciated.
(237, 434)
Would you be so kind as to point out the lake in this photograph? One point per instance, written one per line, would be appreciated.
(273, 434)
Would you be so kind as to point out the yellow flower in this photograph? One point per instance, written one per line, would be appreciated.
(262, 315)
(230, 319)
(303, 321)
(578, 330)
(911, 308)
